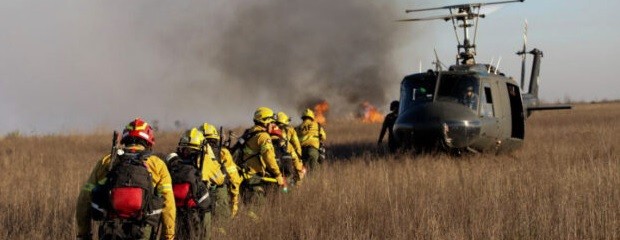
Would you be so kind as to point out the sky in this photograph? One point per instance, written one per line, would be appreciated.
(80, 66)
(578, 39)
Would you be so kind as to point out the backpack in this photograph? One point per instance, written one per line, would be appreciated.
(187, 185)
(128, 192)
(237, 149)
(283, 157)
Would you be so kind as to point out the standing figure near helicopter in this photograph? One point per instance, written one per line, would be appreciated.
(388, 126)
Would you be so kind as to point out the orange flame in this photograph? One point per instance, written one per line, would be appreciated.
(319, 112)
(370, 114)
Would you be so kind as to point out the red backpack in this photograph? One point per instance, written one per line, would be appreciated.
(128, 192)
(189, 189)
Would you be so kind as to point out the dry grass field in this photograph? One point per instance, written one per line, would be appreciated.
(563, 184)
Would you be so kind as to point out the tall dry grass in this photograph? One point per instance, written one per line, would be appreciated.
(563, 184)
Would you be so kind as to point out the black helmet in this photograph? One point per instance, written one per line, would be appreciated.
(394, 105)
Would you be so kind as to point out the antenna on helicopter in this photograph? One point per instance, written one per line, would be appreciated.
(438, 63)
(490, 65)
(465, 13)
(497, 66)
(523, 55)
(420, 67)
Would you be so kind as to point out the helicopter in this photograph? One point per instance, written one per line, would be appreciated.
(470, 107)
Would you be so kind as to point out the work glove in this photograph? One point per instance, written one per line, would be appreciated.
(235, 209)
(282, 183)
(302, 173)
(169, 237)
(280, 180)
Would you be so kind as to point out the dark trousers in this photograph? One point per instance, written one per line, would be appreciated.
(310, 157)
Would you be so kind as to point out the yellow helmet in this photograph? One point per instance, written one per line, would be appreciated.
(210, 132)
(263, 115)
(282, 118)
(307, 114)
(192, 138)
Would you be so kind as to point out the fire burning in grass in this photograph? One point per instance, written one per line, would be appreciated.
(320, 109)
(370, 114)
(367, 112)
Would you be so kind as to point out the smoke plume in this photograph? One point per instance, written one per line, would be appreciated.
(83, 65)
(299, 52)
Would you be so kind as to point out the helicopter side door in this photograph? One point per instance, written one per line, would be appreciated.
(513, 125)
(489, 115)
(494, 115)
(517, 115)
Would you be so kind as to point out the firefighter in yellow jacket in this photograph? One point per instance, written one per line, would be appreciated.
(291, 143)
(216, 173)
(227, 165)
(257, 158)
(311, 135)
(191, 191)
(118, 222)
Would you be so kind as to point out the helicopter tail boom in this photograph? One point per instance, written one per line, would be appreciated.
(533, 89)
(549, 107)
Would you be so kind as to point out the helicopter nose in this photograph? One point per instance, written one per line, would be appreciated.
(460, 134)
(454, 125)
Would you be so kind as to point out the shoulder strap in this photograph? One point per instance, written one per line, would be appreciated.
(133, 158)
(246, 137)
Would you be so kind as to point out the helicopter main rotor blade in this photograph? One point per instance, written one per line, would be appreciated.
(470, 5)
(445, 17)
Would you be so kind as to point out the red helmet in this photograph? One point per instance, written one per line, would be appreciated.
(138, 129)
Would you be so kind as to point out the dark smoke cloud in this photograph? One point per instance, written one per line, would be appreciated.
(83, 65)
(301, 51)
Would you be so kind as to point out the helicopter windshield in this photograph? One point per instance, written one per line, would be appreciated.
(420, 88)
(416, 90)
(459, 88)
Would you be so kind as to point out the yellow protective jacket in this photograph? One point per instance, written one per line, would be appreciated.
(311, 134)
(213, 172)
(161, 181)
(259, 155)
(289, 135)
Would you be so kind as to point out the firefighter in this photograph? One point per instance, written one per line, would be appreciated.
(283, 156)
(106, 199)
(191, 189)
(311, 136)
(292, 146)
(257, 159)
(227, 165)
(388, 126)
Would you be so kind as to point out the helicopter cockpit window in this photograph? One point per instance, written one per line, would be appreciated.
(460, 89)
(417, 90)
(486, 108)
